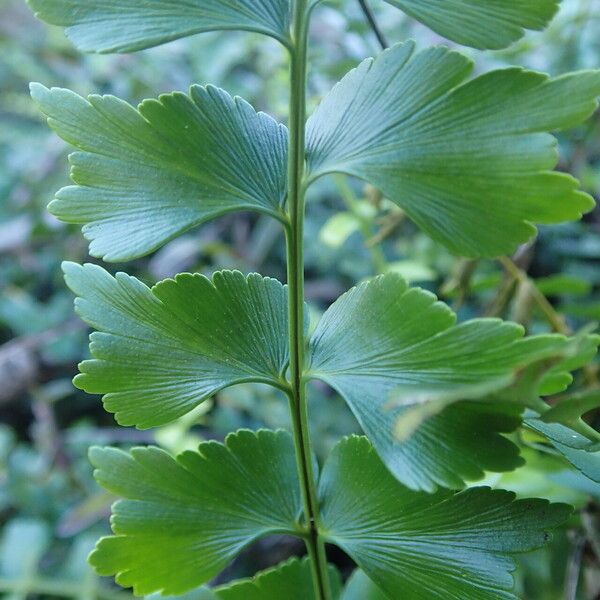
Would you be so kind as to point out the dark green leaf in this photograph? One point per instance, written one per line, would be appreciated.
(162, 351)
(145, 176)
(110, 26)
(470, 434)
(428, 546)
(383, 337)
(558, 432)
(291, 580)
(469, 163)
(184, 519)
(581, 451)
(481, 23)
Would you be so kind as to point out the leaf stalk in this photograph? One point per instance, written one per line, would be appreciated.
(295, 276)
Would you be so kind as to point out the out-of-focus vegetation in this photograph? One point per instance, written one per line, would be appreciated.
(50, 508)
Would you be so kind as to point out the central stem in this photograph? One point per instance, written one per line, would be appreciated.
(295, 267)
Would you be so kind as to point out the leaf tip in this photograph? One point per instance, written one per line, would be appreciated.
(38, 91)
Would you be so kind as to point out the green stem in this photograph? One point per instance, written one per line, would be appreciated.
(295, 265)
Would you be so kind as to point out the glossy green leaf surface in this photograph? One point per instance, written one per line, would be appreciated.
(468, 162)
(291, 580)
(159, 352)
(482, 24)
(428, 546)
(112, 26)
(183, 520)
(144, 176)
(383, 338)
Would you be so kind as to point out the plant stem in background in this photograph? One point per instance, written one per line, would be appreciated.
(295, 268)
(555, 319)
(373, 23)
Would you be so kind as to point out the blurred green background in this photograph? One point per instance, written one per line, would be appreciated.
(51, 511)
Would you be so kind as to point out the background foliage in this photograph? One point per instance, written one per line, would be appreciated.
(50, 508)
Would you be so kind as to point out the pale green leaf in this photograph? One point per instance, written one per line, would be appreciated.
(161, 351)
(24, 542)
(360, 587)
(412, 270)
(384, 340)
(482, 24)
(422, 546)
(580, 351)
(470, 163)
(183, 520)
(291, 580)
(145, 176)
(338, 229)
(113, 26)
(573, 407)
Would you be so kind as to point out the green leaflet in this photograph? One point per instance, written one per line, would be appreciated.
(145, 176)
(383, 340)
(184, 519)
(481, 23)
(428, 546)
(470, 163)
(113, 26)
(162, 351)
(291, 580)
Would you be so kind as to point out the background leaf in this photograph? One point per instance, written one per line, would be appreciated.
(162, 351)
(145, 176)
(481, 23)
(468, 163)
(434, 546)
(360, 587)
(109, 26)
(291, 580)
(184, 519)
